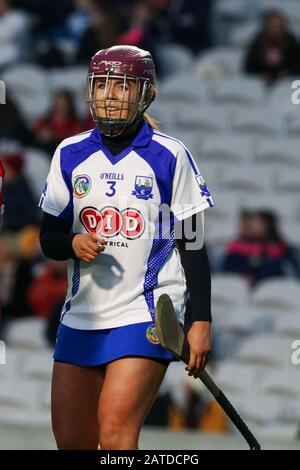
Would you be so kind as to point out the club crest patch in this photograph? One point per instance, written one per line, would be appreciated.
(143, 187)
(82, 185)
(151, 334)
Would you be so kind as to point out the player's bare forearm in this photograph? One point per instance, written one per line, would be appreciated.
(199, 338)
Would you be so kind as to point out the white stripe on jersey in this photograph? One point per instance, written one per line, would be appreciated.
(75, 138)
(169, 142)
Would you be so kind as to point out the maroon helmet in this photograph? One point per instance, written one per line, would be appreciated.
(130, 67)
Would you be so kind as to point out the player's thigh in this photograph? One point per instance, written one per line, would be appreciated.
(130, 387)
(74, 401)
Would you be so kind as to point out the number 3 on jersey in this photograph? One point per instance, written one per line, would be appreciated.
(112, 188)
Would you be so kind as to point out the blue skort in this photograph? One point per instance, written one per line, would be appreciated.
(98, 347)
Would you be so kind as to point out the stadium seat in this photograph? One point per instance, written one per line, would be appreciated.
(282, 205)
(27, 333)
(283, 152)
(74, 80)
(39, 366)
(174, 59)
(290, 231)
(241, 90)
(218, 232)
(288, 324)
(229, 292)
(238, 322)
(278, 433)
(281, 382)
(245, 179)
(70, 78)
(235, 9)
(257, 122)
(226, 148)
(265, 350)
(281, 295)
(29, 87)
(19, 393)
(37, 165)
(260, 409)
(27, 419)
(184, 88)
(218, 63)
(203, 119)
(234, 377)
(242, 34)
(289, 181)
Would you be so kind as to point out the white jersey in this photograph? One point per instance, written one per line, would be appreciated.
(118, 197)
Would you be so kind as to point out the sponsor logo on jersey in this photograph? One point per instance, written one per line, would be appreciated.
(82, 185)
(151, 334)
(110, 222)
(118, 244)
(91, 219)
(143, 187)
(203, 186)
(112, 176)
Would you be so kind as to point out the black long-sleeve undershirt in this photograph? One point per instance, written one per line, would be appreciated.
(56, 242)
(56, 238)
(198, 278)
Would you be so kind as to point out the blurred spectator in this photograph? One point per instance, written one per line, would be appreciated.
(61, 122)
(48, 55)
(274, 52)
(79, 20)
(144, 29)
(46, 16)
(28, 262)
(48, 288)
(190, 23)
(14, 33)
(12, 124)
(103, 32)
(20, 206)
(260, 252)
(8, 263)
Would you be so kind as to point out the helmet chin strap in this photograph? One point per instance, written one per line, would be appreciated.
(116, 127)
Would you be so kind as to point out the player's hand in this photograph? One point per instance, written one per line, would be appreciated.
(87, 247)
(199, 338)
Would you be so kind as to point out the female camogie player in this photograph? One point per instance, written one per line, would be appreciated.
(105, 204)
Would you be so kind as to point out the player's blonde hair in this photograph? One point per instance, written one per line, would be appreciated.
(151, 121)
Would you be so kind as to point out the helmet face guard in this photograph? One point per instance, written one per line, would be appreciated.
(134, 70)
(139, 99)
